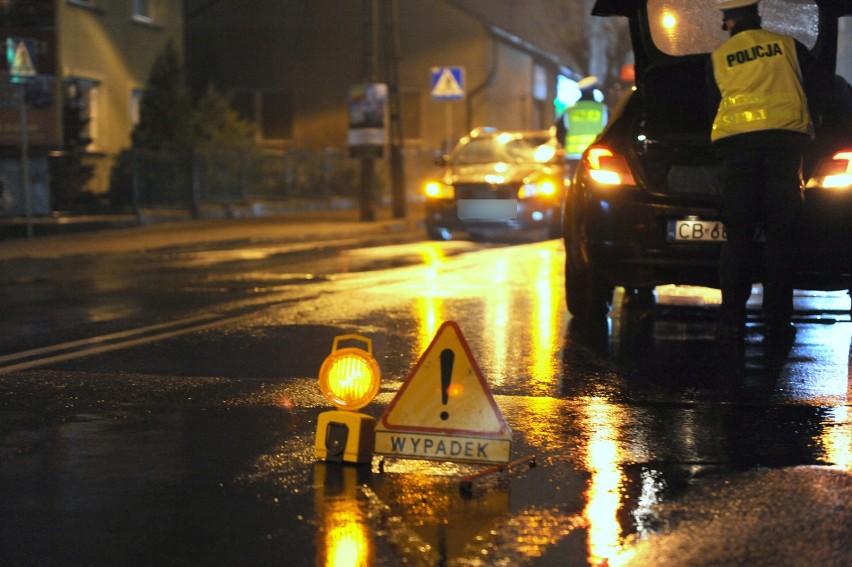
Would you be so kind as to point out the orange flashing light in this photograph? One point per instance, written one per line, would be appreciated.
(349, 377)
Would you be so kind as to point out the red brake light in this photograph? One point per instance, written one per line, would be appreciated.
(607, 168)
(834, 172)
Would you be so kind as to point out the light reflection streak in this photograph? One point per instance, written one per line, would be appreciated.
(603, 495)
(538, 308)
(829, 388)
(343, 538)
(429, 306)
(429, 318)
(546, 312)
(497, 318)
(652, 485)
(539, 425)
(346, 543)
(837, 438)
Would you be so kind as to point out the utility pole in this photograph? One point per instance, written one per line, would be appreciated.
(392, 47)
(25, 159)
(368, 164)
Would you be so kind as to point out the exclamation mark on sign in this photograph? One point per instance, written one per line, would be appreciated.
(447, 358)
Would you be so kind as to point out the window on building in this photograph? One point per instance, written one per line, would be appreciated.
(84, 94)
(142, 11)
(539, 86)
(135, 104)
(271, 111)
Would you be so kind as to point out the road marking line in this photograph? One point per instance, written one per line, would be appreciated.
(100, 339)
(110, 346)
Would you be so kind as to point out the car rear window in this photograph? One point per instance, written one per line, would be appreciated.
(687, 27)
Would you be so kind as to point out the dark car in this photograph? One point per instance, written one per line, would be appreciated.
(497, 182)
(643, 208)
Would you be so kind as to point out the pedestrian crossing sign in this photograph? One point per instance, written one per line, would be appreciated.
(19, 54)
(447, 83)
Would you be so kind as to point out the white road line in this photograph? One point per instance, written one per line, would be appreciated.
(102, 338)
(177, 329)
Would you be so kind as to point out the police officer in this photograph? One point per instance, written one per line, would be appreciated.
(761, 127)
(580, 124)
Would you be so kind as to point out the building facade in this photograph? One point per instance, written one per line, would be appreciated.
(288, 66)
(95, 54)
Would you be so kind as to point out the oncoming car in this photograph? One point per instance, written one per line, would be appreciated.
(644, 206)
(496, 182)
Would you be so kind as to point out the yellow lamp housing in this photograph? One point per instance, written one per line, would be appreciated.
(345, 437)
(349, 379)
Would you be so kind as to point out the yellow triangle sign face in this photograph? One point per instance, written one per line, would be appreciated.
(444, 409)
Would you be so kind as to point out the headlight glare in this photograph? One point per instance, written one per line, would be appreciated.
(542, 188)
(438, 190)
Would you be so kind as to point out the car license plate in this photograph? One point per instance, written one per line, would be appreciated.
(692, 230)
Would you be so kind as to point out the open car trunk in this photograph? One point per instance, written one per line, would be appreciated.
(672, 152)
(673, 132)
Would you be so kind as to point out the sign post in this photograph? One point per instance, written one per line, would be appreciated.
(448, 85)
(367, 137)
(19, 53)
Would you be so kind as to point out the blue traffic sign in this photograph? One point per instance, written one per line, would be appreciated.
(447, 83)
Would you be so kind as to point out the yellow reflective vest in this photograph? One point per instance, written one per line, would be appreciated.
(584, 121)
(761, 85)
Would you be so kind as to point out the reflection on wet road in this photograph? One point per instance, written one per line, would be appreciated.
(649, 448)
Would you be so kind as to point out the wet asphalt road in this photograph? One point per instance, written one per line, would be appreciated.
(160, 407)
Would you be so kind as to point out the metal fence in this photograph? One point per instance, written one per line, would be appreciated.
(191, 180)
(187, 180)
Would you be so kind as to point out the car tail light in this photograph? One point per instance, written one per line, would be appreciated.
(606, 167)
(438, 190)
(834, 172)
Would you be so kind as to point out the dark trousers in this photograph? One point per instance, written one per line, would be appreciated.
(762, 188)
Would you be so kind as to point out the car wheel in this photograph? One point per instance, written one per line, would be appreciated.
(587, 295)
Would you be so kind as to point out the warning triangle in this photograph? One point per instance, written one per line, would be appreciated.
(447, 85)
(446, 393)
(22, 63)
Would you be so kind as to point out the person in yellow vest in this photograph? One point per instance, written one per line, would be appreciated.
(581, 123)
(757, 87)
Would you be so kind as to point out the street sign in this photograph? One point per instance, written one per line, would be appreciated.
(447, 83)
(20, 53)
(444, 409)
(367, 119)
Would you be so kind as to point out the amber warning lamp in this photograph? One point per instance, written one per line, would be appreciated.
(349, 379)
